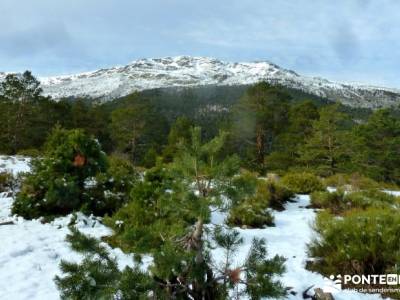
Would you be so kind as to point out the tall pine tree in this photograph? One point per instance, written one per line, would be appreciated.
(258, 118)
(327, 149)
(378, 141)
(21, 96)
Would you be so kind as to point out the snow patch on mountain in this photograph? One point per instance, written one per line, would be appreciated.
(187, 71)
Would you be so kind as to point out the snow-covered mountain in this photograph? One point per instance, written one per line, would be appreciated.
(185, 71)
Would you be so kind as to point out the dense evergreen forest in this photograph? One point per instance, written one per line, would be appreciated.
(271, 128)
(156, 164)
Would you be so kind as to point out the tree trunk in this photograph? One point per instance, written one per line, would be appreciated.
(202, 288)
(133, 148)
(260, 145)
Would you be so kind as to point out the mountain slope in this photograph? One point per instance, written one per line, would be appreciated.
(143, 74)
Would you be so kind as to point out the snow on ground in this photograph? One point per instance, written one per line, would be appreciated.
(14, 164)
(289, 238)
(394, 193)
(31, 251)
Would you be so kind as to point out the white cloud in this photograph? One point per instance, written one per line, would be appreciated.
(344, 39)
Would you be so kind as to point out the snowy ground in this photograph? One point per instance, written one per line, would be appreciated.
(14, 164)
(31, 251)
(289, 238)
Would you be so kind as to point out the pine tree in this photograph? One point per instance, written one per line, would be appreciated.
(166, 218)
(127, 127)
(161, 207)
(260, 115)
(137, 128)
(286, 150)
(179, 133)
(58, 182)
(98, 276)
(378, 146)
(21, 94)
(21, 88)
(327, 149)
(174, 274)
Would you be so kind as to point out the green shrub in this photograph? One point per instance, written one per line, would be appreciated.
(150, 158)
(159, 208)
(328, 200)
(249, 214)
(29, 152)
(59, 181)
(302, 183)
(241, 186)
(6, 182)
(278, 195)
(353, 182)
(122, 173)
(111, 189)
(359, 242)
(252, 210)
(339, 201)
(372, 198)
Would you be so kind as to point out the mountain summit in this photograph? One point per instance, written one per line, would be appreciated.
(187, 71)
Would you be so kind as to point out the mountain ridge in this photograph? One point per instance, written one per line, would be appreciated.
(187, 71)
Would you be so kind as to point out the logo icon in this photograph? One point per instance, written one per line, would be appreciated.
(392, 279)
(337, 280)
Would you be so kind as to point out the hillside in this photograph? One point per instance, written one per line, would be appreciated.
(186, 71)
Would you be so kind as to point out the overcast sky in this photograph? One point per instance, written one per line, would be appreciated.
(352, 40)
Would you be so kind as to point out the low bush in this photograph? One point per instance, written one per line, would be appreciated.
(6, 182)
(29, 152)
(159, 208)
(110, 189)
(302, 183)
(278, 195)
(359, 242)
(122, 173)
(241, 186)
(150, 158)
(353, 182)
(372, 198)
(253, 209)
(339, 201)
(328, 200)
(250, 215)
